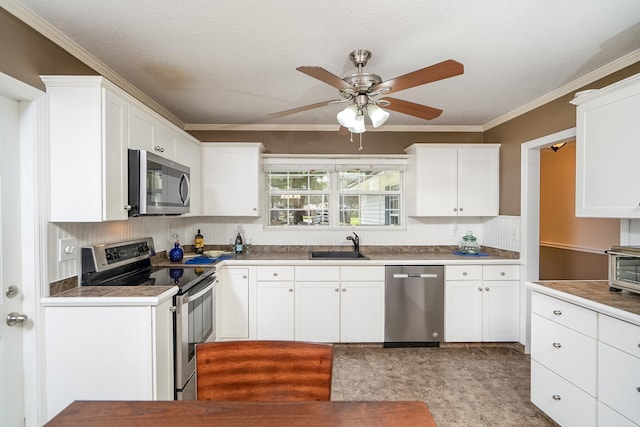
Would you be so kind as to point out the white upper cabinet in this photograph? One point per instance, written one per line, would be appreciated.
(233, 182)
(607, 151)
(88, 149)
(453, 180)
(93, 123)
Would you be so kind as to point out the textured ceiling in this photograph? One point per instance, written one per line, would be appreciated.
(233, 61)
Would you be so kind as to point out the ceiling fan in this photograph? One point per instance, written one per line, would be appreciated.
(364, 89)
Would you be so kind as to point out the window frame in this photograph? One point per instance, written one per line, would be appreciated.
(333, 167)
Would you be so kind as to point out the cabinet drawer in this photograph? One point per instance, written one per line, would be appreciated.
(463, 272)
(580, 319)
(276, 272)
(609, 417)
(622, 335)
(619, 381)
(373, 273)
(317, 273)
(564, 351)
(565, 403)
(501, 272)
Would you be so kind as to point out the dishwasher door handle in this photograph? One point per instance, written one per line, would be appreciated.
(422, 276)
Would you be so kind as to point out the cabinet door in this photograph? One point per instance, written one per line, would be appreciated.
(163, 351)
(478, 180)
(232, 304)
(463, 314)
(619, 381)
(115, 184)
(166, 140)
(232, 180)
(362, 312)
(500, 310)
(142, 130)
(437, 182)
(317, 311)
(607, 152)
(275, 302)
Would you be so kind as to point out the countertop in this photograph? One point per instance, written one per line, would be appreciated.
(377, 256)
(112, 295)
(593, 294)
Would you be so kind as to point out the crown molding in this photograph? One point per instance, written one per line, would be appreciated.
(33, 20)
(324, 128)
(617, 65)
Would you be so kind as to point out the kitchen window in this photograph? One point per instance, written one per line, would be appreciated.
(334, 193)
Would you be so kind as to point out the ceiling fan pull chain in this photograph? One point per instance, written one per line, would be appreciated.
(351, 137)
(360, 148)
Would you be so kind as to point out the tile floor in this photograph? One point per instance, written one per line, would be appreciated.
(462, 385)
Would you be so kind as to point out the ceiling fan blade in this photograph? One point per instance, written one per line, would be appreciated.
(442, 70)
(412, 109)
(306, 107)
(325, 76)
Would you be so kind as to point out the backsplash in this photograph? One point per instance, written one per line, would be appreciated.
(501, 232)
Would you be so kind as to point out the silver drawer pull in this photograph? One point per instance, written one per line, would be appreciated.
(638, 389)
(557, 345)
(557, 312)
(464, 273)
(556, 397)
(502, 273)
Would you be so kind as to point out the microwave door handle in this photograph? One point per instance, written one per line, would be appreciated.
(185, 199)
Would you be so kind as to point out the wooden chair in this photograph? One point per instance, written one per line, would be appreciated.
(263, 371)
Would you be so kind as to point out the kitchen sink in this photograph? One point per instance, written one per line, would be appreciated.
(337, 255)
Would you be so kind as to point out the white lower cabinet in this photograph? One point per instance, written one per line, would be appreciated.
(317, 303)
(232, 303)
(106, 352)
(275, 303)
(565, 403)
(362, 304)
(481, 303)
(585, 366)
(320, 303)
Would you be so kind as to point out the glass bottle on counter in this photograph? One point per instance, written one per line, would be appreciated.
(198, 243)
(238, 244)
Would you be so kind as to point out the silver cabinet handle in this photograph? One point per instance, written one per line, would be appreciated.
(557, 312)
(556, 397)
(275, 274)
(244, 276)
(290, 289)
(464, 273)
(461, 209)
(336, 290)
(480, 288)
(344, 289)
(557, 345)
(455, 209)
(502, 273)
(486, 289)
(638, 389)
(16, 318)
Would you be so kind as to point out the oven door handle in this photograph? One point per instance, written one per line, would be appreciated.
(199, 294)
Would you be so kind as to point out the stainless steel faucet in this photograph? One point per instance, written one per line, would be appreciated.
(356, 242)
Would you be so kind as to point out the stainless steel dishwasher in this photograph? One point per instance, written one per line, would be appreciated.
(414, 305)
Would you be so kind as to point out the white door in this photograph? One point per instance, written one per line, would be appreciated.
(11, 362)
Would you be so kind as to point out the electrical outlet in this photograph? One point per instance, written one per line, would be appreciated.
(67, 249)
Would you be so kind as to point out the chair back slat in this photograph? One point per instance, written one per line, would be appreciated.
(264, 371)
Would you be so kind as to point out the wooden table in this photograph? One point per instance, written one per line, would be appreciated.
(253, 414)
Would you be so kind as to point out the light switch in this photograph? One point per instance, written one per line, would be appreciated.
(67, 249)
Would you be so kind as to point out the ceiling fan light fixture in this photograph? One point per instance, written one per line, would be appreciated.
(377, 115)
(347, 116)
(358, 124)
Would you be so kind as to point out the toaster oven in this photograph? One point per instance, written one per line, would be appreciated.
(624, 268)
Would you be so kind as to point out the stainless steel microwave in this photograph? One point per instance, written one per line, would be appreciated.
(624, 268)
(157, 186)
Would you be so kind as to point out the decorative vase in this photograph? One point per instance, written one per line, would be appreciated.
(176, 254)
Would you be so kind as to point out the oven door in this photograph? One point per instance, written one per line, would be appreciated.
(194, 325)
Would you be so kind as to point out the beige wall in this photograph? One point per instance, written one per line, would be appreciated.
(25, 55)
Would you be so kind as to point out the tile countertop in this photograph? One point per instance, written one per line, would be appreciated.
(112, 295)
(376, 256)
(593, 294)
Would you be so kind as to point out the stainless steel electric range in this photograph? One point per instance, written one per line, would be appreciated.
(129, 264)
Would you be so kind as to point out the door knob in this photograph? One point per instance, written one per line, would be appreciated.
(15, 318)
